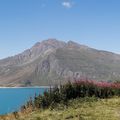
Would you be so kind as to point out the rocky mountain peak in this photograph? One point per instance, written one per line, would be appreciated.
(51, 60)
(72, 44)
(54, 43)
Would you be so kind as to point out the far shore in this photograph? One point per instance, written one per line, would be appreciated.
(28, 87)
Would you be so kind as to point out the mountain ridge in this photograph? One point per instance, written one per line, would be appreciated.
(53, 62)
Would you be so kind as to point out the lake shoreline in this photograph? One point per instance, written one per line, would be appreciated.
(27, 87)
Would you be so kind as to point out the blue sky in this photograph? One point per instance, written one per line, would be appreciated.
(95, 23)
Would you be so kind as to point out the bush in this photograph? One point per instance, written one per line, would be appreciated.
(77, 89)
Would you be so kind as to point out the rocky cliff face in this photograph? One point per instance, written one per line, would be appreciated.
(54, 62)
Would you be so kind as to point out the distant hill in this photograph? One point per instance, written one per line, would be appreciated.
(53, 62)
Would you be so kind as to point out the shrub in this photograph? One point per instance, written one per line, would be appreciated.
(77, 89)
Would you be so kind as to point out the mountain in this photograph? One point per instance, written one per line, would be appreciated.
(53, 62)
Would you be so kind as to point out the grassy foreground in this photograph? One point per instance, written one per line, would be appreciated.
(79, 109)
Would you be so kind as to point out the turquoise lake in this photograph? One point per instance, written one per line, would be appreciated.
(11, 99)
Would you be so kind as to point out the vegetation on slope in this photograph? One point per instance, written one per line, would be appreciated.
(84, 99)
(80, 109)
(77, 89)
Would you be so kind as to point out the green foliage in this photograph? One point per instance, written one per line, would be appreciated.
(78, 89)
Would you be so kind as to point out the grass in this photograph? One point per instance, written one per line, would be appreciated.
(80, 109)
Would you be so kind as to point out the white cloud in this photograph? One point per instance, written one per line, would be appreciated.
(67, 4)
